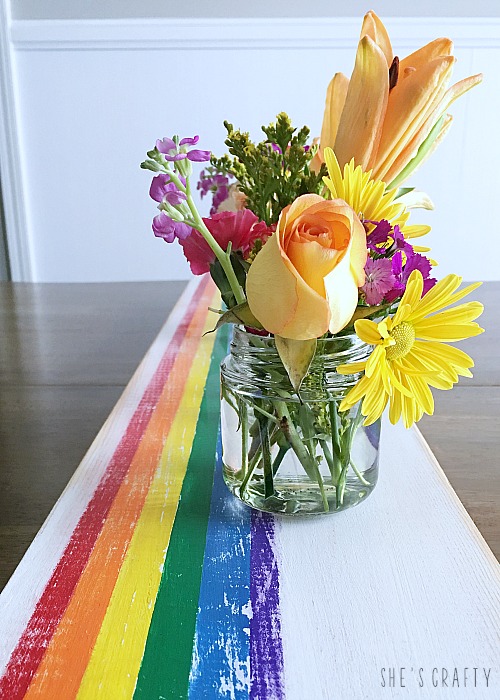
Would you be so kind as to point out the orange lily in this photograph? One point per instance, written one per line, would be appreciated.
(391, 114)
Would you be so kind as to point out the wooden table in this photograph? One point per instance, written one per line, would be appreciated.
(68, 350)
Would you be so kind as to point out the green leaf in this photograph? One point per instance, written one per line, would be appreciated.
(296, 356)
(241, 315)
(402, 191)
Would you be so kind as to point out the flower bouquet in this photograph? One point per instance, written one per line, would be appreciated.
(336, 311)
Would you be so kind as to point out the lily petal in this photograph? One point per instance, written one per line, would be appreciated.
(411, 151)
(411, 102)
(361, 122)
(375, 29)
(418, 59)
(335, 100)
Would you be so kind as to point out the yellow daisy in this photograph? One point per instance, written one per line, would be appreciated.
(411, 353)
(369, 198)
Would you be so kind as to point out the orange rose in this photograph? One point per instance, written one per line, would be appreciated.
(305, 279)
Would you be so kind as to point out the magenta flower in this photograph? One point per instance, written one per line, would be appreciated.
(172, 152)
(168, 229)
(400, 243)
(163, 189)
(414, 261)
(379, 235)
(241, 228)
(379, 280)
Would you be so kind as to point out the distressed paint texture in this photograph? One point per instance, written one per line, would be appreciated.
(60, 671)
(167, 657)
(117, 655)
(266, 652)
(221, 656)
(51, 606)
(171, 588)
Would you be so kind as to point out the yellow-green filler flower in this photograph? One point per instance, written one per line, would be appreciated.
(411, 352)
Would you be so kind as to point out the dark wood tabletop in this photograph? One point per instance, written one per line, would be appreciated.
(67, 351)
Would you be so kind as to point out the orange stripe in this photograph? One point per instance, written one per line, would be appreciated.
(61, 670)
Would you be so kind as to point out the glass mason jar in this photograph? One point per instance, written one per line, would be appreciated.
(283, 454)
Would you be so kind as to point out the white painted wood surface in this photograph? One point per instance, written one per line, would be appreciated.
(404, 584)
(405, 581)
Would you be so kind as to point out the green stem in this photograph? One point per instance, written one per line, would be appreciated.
(340, 490)
(266, 458)
(359, 474)
(345, 452)
(251, 468)
(337, 450)
(265, 413)
(332, 464)
(244, 436)
(220, 254)
(279, 458)
(309, 464)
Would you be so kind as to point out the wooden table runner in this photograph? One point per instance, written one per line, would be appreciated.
(150, 581)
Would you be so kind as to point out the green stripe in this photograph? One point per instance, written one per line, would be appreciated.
(166, 664)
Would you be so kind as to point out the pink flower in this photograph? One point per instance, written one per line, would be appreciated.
(241, 228)
(379, 280)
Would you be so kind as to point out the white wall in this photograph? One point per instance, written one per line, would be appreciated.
(97, 9)
(92, 97)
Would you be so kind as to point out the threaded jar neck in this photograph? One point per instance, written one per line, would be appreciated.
(254, 366)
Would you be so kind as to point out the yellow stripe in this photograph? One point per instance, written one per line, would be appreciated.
(117, 655)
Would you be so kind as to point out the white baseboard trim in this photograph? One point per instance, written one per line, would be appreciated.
(303, 33)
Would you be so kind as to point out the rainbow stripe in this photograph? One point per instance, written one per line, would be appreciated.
(150, 581)
(129, 610)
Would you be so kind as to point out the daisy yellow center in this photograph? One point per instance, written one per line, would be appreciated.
(404, 335)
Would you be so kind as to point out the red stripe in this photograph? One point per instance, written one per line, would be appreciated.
(53, 602)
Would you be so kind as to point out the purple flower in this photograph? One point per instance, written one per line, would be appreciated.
(168, 229)
(163, 189)
(218, 185)
(189, 141)
(379, 235)
(400, 242)
(379, 280)
(172, 152)
(414, 261)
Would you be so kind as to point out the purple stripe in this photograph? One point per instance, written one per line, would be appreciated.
(266, 650)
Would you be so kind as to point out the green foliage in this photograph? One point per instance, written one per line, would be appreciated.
(269, 178)
(219, 276)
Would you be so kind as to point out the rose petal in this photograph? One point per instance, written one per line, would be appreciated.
(300, 313)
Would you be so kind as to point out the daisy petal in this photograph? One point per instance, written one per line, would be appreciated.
(368, 331)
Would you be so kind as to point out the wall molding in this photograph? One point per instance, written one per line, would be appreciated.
(18, 242)
(163, 34)
(272, 33)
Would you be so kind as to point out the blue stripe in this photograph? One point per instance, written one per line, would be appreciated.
(221, 654)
